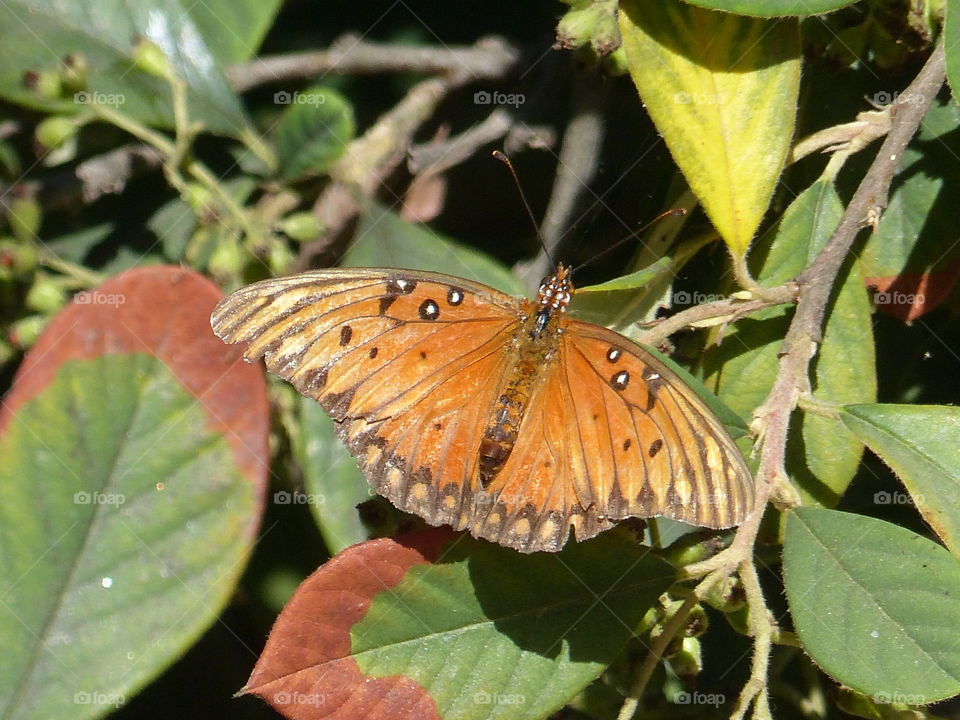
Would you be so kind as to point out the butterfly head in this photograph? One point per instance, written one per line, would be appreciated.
(555, 291)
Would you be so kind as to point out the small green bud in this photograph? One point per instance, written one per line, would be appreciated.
(18, 258)
(24, 218)
(74, 72)
(54, 132)
(24, 332)
(301, 226)
(150, 58)
(687, 662)
(227, 259)
(46, 84)
(45, 296)
(576, 28)
(280, 258)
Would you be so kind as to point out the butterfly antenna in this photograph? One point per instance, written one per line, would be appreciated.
(516, 179)
(674, 212)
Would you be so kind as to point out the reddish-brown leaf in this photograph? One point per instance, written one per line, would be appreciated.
(162, 311)
(908, 296)
(306, 671)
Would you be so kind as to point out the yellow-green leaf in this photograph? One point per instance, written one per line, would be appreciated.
(722, 90)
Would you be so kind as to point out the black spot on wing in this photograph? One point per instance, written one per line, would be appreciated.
(346, 332)
(429, 310)
(655, 447)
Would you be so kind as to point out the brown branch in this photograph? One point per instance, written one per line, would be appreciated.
(577, 165)
(728, 309)
(485, 59)
(90, 180)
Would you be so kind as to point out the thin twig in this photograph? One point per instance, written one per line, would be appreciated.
(350, 54)
(576, 167)
(90, 180)
(729, 309)
(440, 155)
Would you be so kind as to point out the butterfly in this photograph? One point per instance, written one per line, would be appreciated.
(494, 414)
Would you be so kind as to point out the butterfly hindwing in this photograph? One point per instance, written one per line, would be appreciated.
(663, 449)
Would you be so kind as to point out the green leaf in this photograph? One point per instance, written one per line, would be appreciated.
(919, 442)
(874, 605)
(773, 8)
(313, 130)
(385, 240)
(726, 108)
(331, 478)
(822, 455)
(622, 302)
(103, 34)
(128, 505)
(108, 577)
(951, 43)
(908, 258)
(234, 29)
(444, 621)
(844, 371)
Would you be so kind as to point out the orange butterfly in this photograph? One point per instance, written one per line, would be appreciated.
(491, 413)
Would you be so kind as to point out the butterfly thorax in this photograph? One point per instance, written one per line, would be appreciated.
(535, 343)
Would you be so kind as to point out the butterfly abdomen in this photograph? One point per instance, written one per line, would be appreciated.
(536, 341)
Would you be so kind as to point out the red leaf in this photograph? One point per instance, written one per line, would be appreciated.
(306, 671)
(163, 311)
(908, 296)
